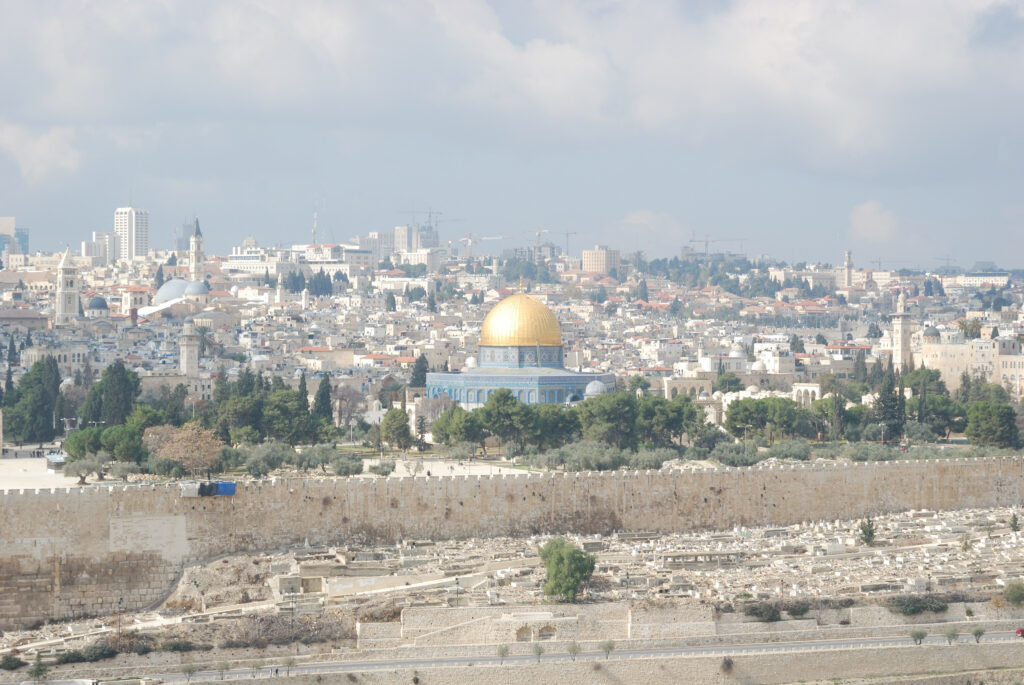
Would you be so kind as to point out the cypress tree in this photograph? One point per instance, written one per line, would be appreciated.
(303, 392)
(322, 401)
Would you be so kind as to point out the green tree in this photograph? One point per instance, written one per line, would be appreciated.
(419, 372)
(971, 328)
(499, 414)
(568, 567)
(860, 367)
(572, 649)
(638, 384)
(641, 291)
(322, 401)
(874, 332)
(993, 424)
(889, 407)
(819, 339)
(35, 405)
(867, 531)
(1014, 594)
(502, 654)
(1014, 523)
(610, 419)
(978, 633)
(918, 636)
(389, 303)
(285, 418)
(728, 382)
(159, 276)
(303, 392)
(796, 345)
(38, 671)
(394, 429)
(607, 646)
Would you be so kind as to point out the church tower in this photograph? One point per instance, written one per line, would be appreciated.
(901, 354)
(188, 351)
(66, 308)
(195, 253)
(848, 270)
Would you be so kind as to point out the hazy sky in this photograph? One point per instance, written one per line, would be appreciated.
(895, 129)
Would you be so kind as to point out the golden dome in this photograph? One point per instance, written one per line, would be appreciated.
(520, 320)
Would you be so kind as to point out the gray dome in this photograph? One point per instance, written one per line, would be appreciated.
(197, 288)
(595, 388)
(932, 332)
(97, 303)
(171, 290)
(177, 288)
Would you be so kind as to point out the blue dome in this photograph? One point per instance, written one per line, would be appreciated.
(97, 303)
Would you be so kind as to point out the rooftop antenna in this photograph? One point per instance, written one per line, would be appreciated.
(314, 226)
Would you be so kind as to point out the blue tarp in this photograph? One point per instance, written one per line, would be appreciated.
(225, 489)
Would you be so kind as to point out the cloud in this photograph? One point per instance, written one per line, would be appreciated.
(39, 154)
(873, 223)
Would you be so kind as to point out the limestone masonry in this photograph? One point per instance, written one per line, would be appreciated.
(77, 552)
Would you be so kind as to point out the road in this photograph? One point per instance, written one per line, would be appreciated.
(557, 657)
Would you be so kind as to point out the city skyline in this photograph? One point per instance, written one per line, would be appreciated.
(802, 130)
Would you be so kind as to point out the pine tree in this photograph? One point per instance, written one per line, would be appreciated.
(159, 276)
(12, 352)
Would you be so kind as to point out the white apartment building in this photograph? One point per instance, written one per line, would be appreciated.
(131, 226)
(600, 260)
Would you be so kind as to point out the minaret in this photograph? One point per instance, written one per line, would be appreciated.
(901, 354)
(188, 351)
(66, 308)
(848, 270)
(195, 253)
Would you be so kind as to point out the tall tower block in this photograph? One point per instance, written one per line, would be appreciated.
(901, 353)
(188, 351)
(848, 270)
(66, 306)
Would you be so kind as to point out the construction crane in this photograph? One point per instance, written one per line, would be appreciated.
(470, 240)
(708, 240)
(567, 234)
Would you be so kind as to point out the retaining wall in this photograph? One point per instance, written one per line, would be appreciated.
(79, 551)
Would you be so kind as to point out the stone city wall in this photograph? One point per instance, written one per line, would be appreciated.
(79, 551)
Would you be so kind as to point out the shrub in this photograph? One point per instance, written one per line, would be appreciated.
(347, 466)
(763, 611)
(734, 455)
(918, 604)
(181, 646)
(72, 656)
(727, 664)
(99, 650)
(383, 468)
(791, 449)
(797, 609)
(918, 636)
(11, 663)
(1014, 593)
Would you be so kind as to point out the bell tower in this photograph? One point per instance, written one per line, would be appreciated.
(66, 305)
